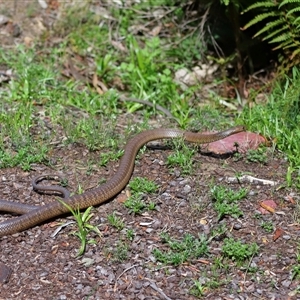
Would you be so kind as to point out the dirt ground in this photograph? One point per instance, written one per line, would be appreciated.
(46, 267)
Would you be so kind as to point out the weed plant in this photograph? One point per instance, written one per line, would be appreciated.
(139, 187)
(181, 250)
(82, 221)
(226, 200)
(238, 251)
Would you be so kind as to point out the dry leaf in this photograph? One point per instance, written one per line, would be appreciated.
(122, 198)
(155, 31)
(267, 206)
(28, 41)
(202, 261)
(95, 84)
(119, 46)
(277, 234)
(291, 199)
(54, 249)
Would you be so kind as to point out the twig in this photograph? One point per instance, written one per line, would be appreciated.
(251, 179)
(156, 288)
(248, 269)
(115, 286)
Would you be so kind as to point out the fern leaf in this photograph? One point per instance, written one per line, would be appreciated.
(297, 21)
(281, 38)
(259, 4)
(271, 25)
(259, 18)
(288, 2)
(289, 45)
(285, 45)
(296, 9)
(276, 32)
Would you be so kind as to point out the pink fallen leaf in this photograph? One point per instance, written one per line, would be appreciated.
(267, 206)
(241, 142)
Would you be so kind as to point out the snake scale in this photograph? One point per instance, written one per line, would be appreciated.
(32, 217)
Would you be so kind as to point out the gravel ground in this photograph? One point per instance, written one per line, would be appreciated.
(47, 268)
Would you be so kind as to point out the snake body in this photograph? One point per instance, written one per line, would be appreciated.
(32, 217)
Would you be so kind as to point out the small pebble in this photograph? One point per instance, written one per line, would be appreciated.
(286, 283)
(237, 226)
(187, 189)
(184, 181)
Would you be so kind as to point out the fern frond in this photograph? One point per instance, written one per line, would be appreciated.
(274, 33)
(259, 18)
(285, 45)
(296, 9)
(284, 2)
(282, 38)
(296, 21)
(271, 25)
(290, 44)
(269, 3)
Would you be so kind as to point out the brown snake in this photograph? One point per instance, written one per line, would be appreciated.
(32, 217)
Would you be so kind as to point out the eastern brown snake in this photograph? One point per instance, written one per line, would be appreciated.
(33, 216)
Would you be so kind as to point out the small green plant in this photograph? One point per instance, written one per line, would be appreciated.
(257, 155)
(225, 200)
(222, 193)
(296, 271)
(182, 157)
(120, 252)
(231, 209)
(115, 221)
(142, 185)
(218, 232)
(237, 250)
(84, 227)
(296, 268)
(267, 226)
(237, 156)
(104, 64)
(197, 289)
(130, 234)
(110, 156)
(135, 204)
(218, 264)
(151, 205)
(180, 251)
(212, 282)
